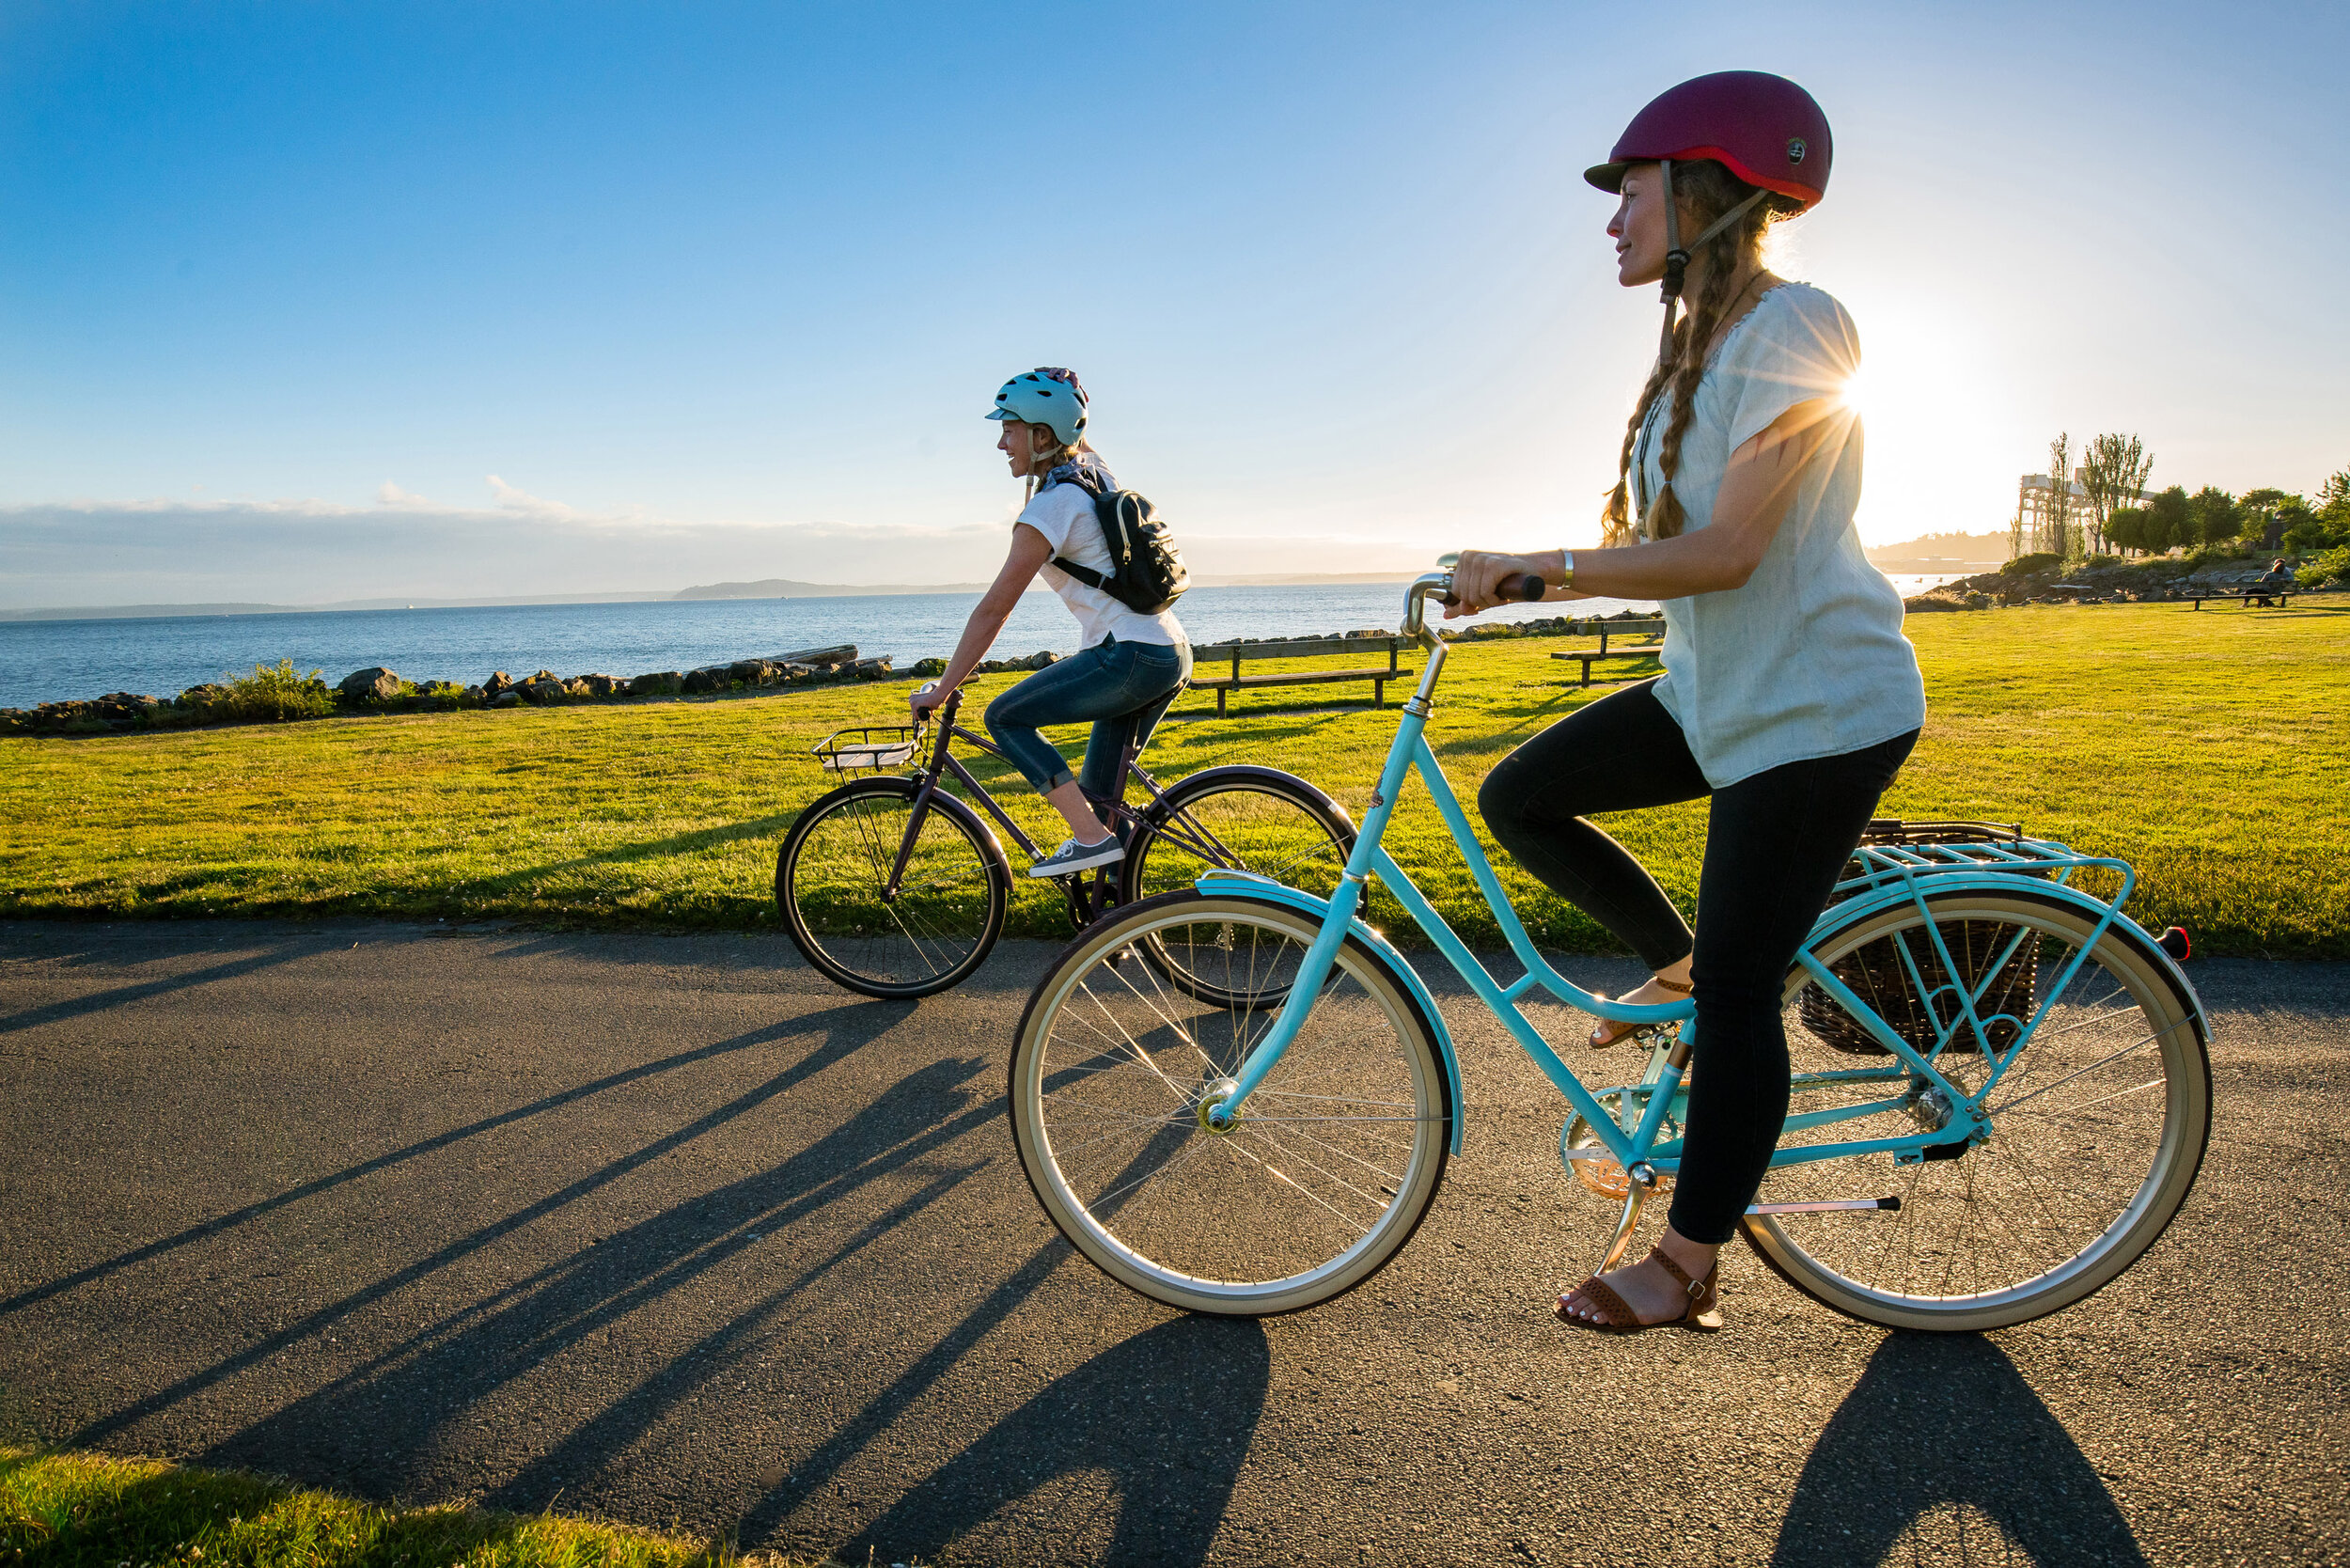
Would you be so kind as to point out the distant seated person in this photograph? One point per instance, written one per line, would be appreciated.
(2276, 581)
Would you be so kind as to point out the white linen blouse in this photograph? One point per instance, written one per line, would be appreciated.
(1806, 659)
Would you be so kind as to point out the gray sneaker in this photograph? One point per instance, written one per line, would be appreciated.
(1074, 856)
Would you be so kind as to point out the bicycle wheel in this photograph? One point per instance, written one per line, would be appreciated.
(1333, 1158)
(834, 868)
(1245, 819)
(2097, 1126)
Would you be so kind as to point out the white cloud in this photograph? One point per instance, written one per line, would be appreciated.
(512, 499)
(391, 495)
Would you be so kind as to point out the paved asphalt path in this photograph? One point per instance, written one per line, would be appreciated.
(665, 1228)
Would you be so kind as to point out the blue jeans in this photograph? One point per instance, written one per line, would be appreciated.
(1123, 687)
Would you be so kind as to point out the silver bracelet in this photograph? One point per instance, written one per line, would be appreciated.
(1566, 564)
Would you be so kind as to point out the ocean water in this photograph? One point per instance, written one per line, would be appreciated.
(50, 661)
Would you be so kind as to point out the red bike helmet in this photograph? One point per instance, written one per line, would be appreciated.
(1763, 129)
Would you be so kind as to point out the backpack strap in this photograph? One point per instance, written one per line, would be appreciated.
(1105, 517)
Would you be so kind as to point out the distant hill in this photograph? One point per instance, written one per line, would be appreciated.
(1942, 553)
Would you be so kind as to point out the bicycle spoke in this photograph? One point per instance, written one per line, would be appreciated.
(1336, 1150)
(2057, 1183)
(843, 912)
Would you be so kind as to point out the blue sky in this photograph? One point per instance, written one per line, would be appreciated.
(720, 290)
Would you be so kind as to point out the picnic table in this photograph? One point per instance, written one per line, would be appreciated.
(1653, 630)
(1301, 647)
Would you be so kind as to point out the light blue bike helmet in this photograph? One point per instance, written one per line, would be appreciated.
(1046, 395)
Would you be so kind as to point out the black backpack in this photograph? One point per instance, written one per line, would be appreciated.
(1146, 571)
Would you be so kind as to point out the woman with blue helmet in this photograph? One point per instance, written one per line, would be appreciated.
(1129, 664)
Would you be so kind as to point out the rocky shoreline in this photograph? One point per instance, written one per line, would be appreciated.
(377, 690)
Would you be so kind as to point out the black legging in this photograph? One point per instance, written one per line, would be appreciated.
(1774, 845)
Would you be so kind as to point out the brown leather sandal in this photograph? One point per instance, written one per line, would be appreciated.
(1613, 1031)
(1703, 1313)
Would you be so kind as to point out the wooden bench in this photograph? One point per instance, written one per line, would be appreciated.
(1590, 656)
(2264, 595)
(1225, 685)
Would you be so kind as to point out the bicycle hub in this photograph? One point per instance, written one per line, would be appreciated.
(1214, 1109)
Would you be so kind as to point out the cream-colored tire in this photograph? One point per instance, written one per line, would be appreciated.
(1333, 1158)
(2097, 1127)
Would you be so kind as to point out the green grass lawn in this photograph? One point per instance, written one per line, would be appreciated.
(87, 1510)
(2209, 749)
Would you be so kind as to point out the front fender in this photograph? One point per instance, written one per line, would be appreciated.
(1250, 885)
(1936, 883)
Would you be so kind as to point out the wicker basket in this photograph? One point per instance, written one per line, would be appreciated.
(1877, 975)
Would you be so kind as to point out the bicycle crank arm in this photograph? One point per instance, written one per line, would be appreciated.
(1839, 1205)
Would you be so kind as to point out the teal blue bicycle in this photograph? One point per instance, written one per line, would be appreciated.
(1239, 1098)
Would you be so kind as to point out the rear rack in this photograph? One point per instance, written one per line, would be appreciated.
(1895, 851)
(868, 750)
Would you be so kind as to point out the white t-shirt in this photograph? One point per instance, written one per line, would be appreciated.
(1064, 515)
(1808, 658)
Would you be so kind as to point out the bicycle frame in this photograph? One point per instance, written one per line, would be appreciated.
(1909, 873)
(1185, 829)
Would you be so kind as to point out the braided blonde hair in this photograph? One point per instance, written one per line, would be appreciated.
(1710, 190)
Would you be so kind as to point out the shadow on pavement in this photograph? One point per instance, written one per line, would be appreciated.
(1942, 1452)
(1164, 1420)
(992, 1471)
(206, 1228)
(847, 1028)
(375, 1427)
(284, 950)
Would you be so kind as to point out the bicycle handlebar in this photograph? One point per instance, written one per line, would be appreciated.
(1523, 588)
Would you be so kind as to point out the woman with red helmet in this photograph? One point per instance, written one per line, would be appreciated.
(1790, 696)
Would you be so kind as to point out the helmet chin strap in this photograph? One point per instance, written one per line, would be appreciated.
(1677, 256)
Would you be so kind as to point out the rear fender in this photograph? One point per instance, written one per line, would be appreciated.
(1247, 885)
(1938, 884)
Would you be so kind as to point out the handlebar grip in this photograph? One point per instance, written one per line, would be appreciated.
(1523, 588)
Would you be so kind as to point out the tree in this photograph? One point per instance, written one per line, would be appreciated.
(2114, 469)
(2061, 540)
(2301, 528)
(2266, 514)
(2218, 518)
(2125, 527)
(2170, 520)
(2333, 498)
